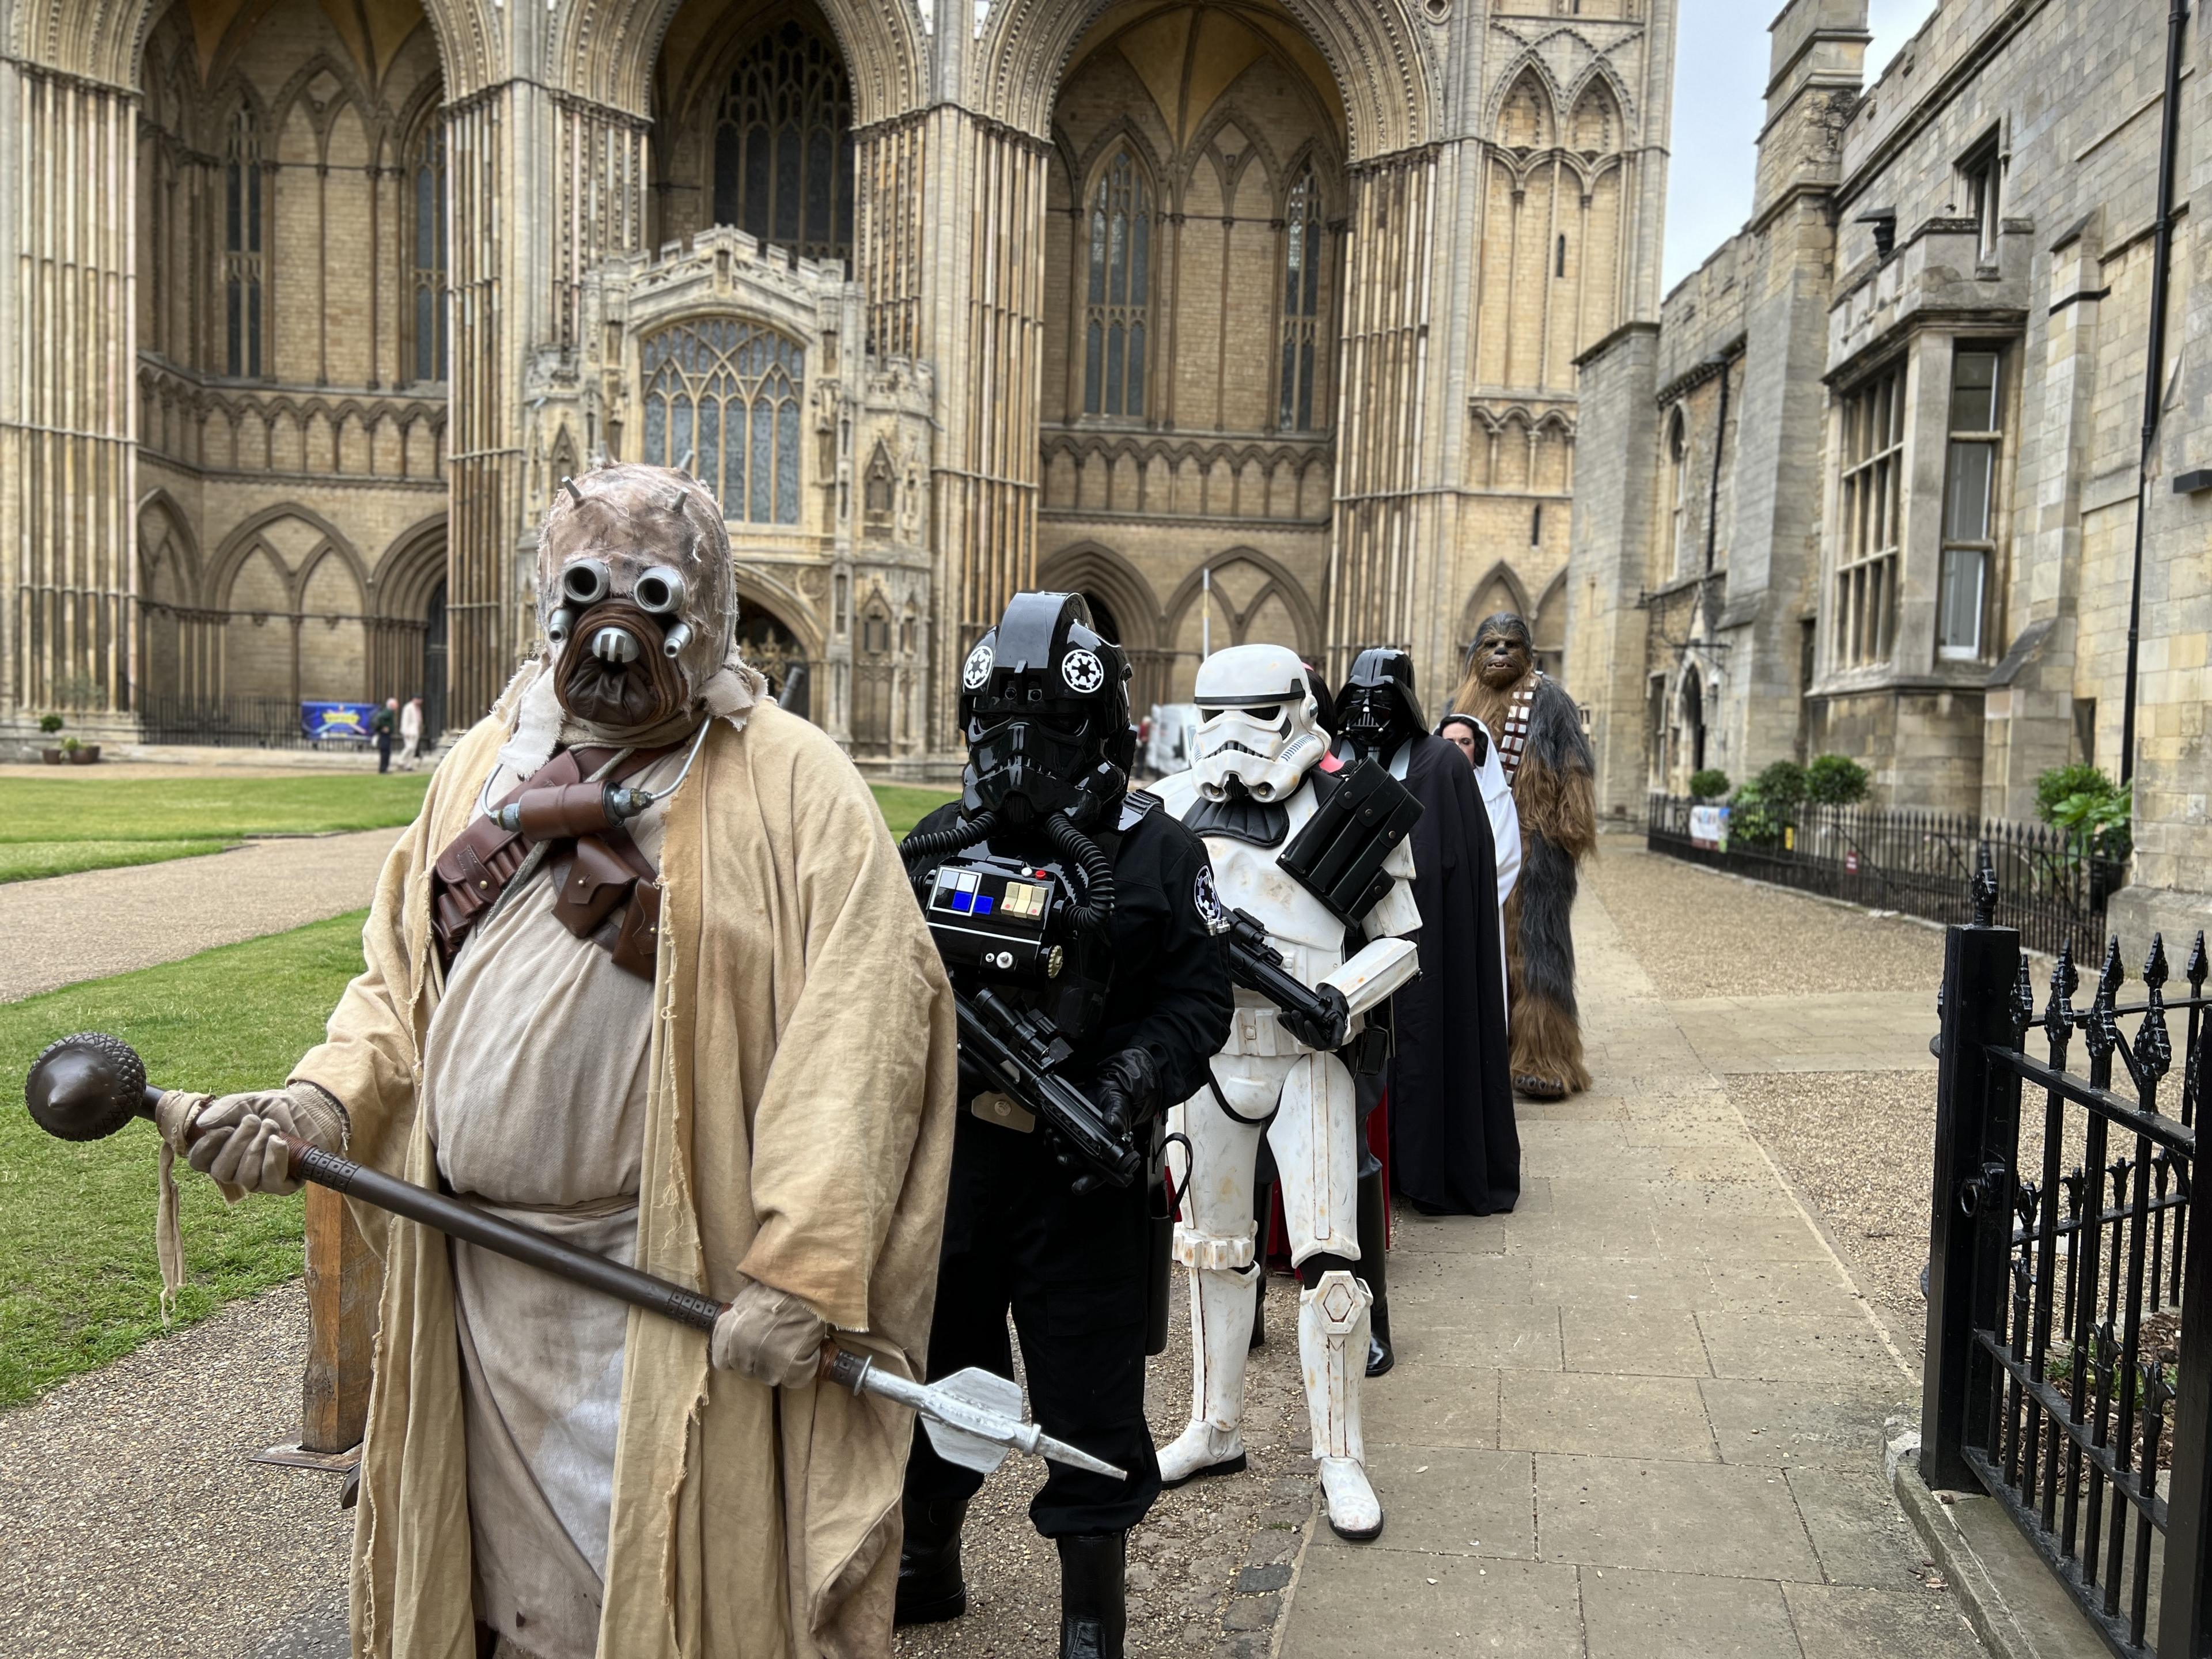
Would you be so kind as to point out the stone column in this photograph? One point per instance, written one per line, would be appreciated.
(1375, 551)
(69, 350)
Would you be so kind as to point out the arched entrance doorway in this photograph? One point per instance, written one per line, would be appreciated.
(434, 666)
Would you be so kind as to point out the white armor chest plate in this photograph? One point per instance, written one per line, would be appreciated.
(1247, 878)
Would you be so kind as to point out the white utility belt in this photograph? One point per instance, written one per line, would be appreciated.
(1261, 1033)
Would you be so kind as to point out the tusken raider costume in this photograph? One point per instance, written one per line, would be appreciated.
(1455, 1149)
(1076, 921)
(609, 982)
(1547, 761)
(1314, 874)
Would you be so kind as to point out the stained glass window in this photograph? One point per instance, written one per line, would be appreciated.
(783, 146)
(1302, 257)
(726, 393)
(428, 180)
(1118, 304)
(241, 243)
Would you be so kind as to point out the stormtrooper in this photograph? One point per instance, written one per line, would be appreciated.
(1313, 875)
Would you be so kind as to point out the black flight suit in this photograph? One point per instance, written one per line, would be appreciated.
(1073, 1269)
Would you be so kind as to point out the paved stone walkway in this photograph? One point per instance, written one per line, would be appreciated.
(68, 928)
(1643, 1415)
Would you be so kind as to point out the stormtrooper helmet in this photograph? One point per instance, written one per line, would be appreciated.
(1261, 726)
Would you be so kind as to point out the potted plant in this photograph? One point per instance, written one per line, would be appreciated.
(80, 753)
(51, 723)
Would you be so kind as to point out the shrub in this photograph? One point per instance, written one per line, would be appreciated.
(71, 745)
(1709, 785)
(1835, 781)
(1754, 819)
(1781, 785)
(2061, 783)
(50, 723)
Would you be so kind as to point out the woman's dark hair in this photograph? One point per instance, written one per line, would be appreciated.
(1468, 720)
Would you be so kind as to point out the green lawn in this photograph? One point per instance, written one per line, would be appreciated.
(203, 804)
(79, 1285)
(27, 860)
(904, 806)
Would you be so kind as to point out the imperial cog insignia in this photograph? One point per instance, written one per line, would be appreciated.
(978, 668)
(1083, 672)
(1203, 900)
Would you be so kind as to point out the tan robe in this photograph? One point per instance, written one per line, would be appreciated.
(797, 1129)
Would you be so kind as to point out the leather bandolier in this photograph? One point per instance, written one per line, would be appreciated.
(609, 890)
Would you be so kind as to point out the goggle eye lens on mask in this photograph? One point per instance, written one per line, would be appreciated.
(586, 581)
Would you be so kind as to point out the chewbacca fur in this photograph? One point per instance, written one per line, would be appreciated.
(1554, 792)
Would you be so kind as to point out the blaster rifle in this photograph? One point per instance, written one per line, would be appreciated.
(1022, 1051)
(1318, 1017)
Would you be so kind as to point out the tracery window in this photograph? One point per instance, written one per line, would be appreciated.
(426, 178)
(1118, 302)
(1970, 517)
(241, 243)
(726, 393)
(1302, 257)
(783, 146)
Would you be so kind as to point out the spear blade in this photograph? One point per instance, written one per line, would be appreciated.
(972, 1418)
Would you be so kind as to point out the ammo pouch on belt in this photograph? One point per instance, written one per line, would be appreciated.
(608, 891)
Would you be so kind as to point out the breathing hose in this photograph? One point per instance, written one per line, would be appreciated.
(1097, 909)
(936, 843)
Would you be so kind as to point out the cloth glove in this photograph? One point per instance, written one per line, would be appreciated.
(236, 1135)
(769, 1336)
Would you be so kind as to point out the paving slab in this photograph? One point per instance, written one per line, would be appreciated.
(1655, 1375)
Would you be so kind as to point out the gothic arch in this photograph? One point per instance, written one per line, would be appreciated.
(606, 51)
(1126, 134)
(1600, 75)
(160, 514)
(410, 570)
(1482, 600)
(1093, 567)
(246, 539)
(1277, 582)
(1533, 77)
(1377, 55)
(760, 592)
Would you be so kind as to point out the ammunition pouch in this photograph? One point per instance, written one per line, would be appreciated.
(1360, 815)
(607, 889)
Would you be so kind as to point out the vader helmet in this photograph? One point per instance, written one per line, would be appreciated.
(1378, 710)
(1261, 725)
(1044, 699)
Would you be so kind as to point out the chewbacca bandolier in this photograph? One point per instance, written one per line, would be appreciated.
(1540, 740)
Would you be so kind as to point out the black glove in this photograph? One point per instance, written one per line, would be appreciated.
(1127, 1089)
(1327, 1035)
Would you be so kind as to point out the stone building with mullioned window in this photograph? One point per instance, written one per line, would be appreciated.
(1871, 482)
(1253, 318)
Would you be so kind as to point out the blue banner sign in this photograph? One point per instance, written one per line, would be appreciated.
(340, 722)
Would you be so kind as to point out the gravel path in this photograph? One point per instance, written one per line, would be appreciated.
(1856, 1142)
(1699, 933)
(68, 928)
(130, 1522)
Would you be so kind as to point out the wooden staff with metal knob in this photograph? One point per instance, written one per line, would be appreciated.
(87, 1087)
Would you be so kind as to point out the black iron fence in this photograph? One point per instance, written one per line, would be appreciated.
(228, 723)
(1919, 863)
(2069, 1298)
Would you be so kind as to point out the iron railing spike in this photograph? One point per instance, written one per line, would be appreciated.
(2155, 970)
(2194, 972)
(2154, 1044)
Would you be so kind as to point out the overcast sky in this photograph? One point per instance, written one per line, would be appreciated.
(1720, 91)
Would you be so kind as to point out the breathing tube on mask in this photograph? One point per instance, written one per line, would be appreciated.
(1097, 909)
(924, 844)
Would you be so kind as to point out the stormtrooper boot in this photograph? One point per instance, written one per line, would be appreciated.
(1332, 1331)
(1221, 1335)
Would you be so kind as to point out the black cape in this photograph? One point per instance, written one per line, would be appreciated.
(1454, 1148)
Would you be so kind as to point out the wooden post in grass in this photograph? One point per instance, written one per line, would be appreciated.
(345, 1282)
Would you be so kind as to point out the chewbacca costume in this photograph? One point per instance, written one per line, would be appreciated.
(1547, 761)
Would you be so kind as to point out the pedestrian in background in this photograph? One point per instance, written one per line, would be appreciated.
(388, 718)
(410, 734)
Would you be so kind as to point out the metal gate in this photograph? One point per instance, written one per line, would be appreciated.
(2070, 1329)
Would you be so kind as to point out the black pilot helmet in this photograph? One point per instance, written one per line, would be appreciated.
(1044, 699)
(1377, 709)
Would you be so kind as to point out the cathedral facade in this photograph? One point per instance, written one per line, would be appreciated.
(1251, 319)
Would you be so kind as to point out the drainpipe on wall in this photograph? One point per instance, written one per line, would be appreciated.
(2177, 18)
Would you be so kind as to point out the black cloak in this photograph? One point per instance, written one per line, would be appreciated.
(1454, 1148)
